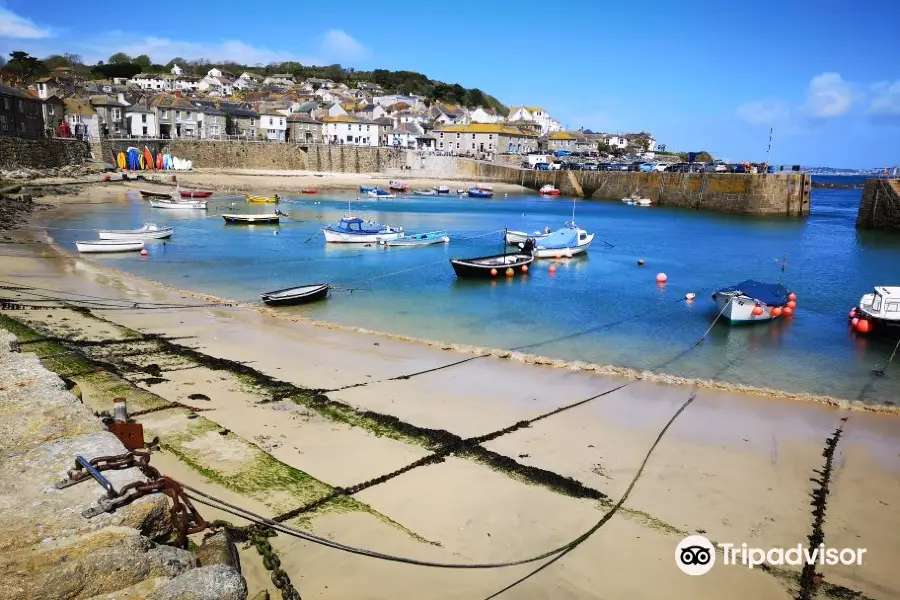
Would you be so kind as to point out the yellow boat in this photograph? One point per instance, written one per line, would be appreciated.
(269, 199)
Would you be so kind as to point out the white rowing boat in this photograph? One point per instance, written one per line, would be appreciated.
(110, 245)
(179, 205)
(150, 231)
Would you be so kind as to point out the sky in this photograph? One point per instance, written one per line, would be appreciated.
(825, 75)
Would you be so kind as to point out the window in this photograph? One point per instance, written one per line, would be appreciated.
(19, 106)
(6, 104)
(145, 130)
(281, 122)
(490, 136)
(188, 115)
(22, 126)
(165, 114)
(442, 136)
(457, 137)
(893, 307)
(144, 119)
(473, 136)
(51, 109)
(457, 145)
(3, 125)
(490, 146)
(270, 121)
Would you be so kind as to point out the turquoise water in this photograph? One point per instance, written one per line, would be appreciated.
(602, 308)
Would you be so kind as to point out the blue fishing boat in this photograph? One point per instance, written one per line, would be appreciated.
(353, 230)
(477, 193)
(366, 188)
(420, 239)
(380, 193)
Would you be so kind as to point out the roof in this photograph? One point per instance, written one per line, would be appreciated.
(562, 135)
(212, 111)
(347, 119)
(79, 106)
(282, 76)
(106, 101)
(11, 91)
(534, 109)
(386, 121)
(498, 128)
(307, 107)
(301, 118)
(270, 112)
(138, 107)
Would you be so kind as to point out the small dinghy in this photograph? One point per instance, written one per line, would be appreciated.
(150, 231)
(302, 294)
(566, 242)
(149, 194)
(479, 193)
(443, 189)
(492, 266)
(262, 199)
(309, 191)
(752, 301)
(109, 245)
(252, 219)
(179, 205)
(514, 238)
(420, 239)
(398, 186)
(380, 193)
(549, 190)
(194, 194)
(424, 192)
(366, 188)
(637, 200)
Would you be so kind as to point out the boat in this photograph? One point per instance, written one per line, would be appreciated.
(149, 231)
(637, 200)
(461, 192)
(478, 193)
(366, 188)
(424, 192)
(179, 205)
(752, 301)
(420, 239)
(353, 230)
(514, 238)
(881, 309)
(443, 189)
(491, 266)
(194, 194)
(549, 190)
(109, 245)
(302, 294)
(309, 191)
(566, 242)
(398, 186)
(251, 219)
(266, 199)
(380, 193)
(149, 194)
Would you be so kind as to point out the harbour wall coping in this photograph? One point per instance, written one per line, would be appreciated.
(16, 153)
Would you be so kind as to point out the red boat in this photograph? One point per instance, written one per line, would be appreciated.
(397, 186)
(309, 191)
(195, 194)
(549, 190)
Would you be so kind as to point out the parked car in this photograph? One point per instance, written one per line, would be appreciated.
(660, 167)
(541, 167)
(647, 168)
(737, 169)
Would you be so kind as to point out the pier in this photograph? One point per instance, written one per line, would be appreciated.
(880, 205)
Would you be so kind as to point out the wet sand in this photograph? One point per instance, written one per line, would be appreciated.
(735, 466)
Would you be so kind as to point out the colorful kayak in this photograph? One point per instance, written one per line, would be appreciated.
(148, 158)
(159, 161)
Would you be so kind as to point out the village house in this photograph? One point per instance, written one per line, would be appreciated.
(484, 139)
(186, 83)
(408, 136)
(20, 113)
(81, 118)
(152, 81)
(394, 99)
(272, 125)
(350, 131)
(410, 117)
(329, 109)
(212, 122)
(218, 73)
(316, 83)
(280, 79)
(141, 120)
(537, 115)
(177, 118)
(176, 70)
(485, 115)
(561, 140)
(448, 114)
(110, 114)
(302, 128)
(326, 95)
(52, 105)
(248, 81)
(219, 85)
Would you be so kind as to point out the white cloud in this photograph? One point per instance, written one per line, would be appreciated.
(886, 102)
(764, 112)
(828, 96)
(339, 45)
(19, 27)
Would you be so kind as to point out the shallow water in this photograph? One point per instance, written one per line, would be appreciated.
(601, 308)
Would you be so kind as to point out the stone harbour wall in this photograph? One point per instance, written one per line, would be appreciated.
(879, 207)
(783, 194)
(286, 156)
(17, 153)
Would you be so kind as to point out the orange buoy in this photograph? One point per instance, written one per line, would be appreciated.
(552, 268)
(690, 296)
(640, 262)
(524, 268)
(493, 272)
(510, 272)
(788, 311)
(777, 311)
(144, 252)
(792, 296)
(661, 278)
(863, 326)
(758, 310)
(792, 304)
(854, 322)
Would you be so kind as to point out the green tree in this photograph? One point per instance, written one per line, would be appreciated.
(74, 59)
(2, 62)
(175, 61)
(142, 61)
(119, 58)
(24, 65)
(705, 157)
(603, 147)
(57, 60)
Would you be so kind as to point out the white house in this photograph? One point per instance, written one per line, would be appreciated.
(326, 95)
(186, 83)
(152, 81)
(485, 115)
(176, 70)
(408, 136)
(394, 99)
(248, 80)
(283, 79)
(536, 115)
(272, 125)
(141, 121)
(616, 141)
(349, 131)
(220, 84)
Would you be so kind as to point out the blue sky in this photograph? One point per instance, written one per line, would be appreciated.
(824, 74)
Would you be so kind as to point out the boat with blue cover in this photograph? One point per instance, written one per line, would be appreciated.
(480, 193)
(420, 239)
(568, 241)
(366, 188)
(380, 193)
(752, 301)
(353, 230)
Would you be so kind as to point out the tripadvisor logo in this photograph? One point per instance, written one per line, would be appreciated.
(696, 555)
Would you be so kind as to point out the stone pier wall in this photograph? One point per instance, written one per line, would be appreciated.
(880, 205)
(784, 194)
(42, 154)
(268, 155)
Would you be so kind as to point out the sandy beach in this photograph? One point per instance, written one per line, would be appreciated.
(735, 467)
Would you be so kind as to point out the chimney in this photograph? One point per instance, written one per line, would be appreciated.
(121, 98)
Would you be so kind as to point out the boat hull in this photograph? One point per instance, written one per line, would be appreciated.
(261, 199)
(338, 237)
(740, 309)
(514, 238)
(172, 205)
(422, 239)
(160, 234)
(886, 328)
(318, 292)
(252, 219)
(480, 194)
(149, 194)
(374, 194)
(581, 248)
(481, 267)
(98, 246)
(195, 194)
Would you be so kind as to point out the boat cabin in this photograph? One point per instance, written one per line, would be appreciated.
(884, 303)
(356, 225)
